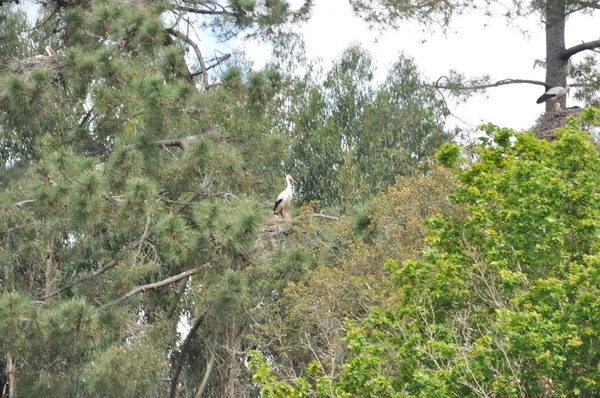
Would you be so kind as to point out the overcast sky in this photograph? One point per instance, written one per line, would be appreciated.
(471, 48)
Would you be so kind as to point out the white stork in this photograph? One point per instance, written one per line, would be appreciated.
(282, 203)
(50, 51)
(555, 93)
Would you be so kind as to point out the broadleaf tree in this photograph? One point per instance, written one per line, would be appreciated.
(504, 300)
(352, 136)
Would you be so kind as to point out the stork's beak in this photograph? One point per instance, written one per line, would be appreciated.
(294, 181)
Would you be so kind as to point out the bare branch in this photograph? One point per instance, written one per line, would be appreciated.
(178, 294)
(209, 367)
(154, 285)
(86, 118)
(182, 143)
(201, 11)
(499, 83)
(217, 61)
(23, 202)
(325, 216)
(569, 52)
(189, 41)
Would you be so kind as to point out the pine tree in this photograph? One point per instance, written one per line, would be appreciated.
(129, 200)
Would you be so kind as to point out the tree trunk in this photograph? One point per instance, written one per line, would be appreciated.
(233, 363)
(10, 378)
(51, 272)
(556, 67)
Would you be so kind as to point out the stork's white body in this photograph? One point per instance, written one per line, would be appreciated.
(555, 93)
(284, 199)
(50, 51)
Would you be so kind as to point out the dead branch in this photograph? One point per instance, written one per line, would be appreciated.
(178, 294)
(195, 10)
(217, 61)
(499, 83)
(325, 216)
(154, 285)
(181, 356)
(189, 41)
(209, 367)
(23, 202)
(183, 143)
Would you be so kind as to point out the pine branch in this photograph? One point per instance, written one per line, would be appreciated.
(154, 285)
(130, 246)
(189, 41)
(489, 85)
(569, 52)
(183, 143)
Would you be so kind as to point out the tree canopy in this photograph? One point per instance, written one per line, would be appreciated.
(140, 255)
(502, 301)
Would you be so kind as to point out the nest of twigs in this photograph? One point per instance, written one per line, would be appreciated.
(546, 125)
(23, 66)
(274, 234)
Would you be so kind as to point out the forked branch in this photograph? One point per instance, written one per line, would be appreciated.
(569, 52)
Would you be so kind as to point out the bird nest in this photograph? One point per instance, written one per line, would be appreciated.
(25, 65)
(549, 122)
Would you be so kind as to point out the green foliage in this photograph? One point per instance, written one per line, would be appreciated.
(176, 238)
(448, 155)
(228, 296)
(502, 302)
(352, 138)
(119, 173)
(140, 361)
